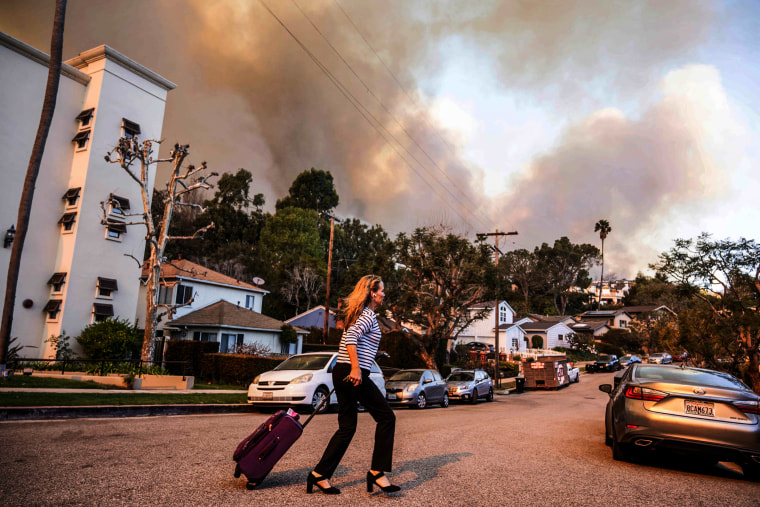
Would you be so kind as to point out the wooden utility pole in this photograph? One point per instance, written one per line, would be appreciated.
(496, 253)
(329, 270)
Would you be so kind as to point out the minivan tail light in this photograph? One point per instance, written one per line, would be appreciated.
(644, 393)
(748, 407)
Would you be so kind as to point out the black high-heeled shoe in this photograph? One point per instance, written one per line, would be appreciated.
(372, 482)
(313, 480)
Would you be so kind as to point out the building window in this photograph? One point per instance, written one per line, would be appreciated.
(560, 337)
(52, 308)
(184, 293)
(67, 221)
(230, 342)
(623, 323)
(515, 344)
(114, 229)
(72, 196)
(130, 128)
(81, 139)
(101, 312)
(502, 315)
(165, 295)
(106, 287)
(57, 281)
(117, 205)
(249, 301)
(85, 117)
(204, 337)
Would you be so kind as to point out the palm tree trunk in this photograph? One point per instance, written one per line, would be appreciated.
(32, 171)
(601, 279)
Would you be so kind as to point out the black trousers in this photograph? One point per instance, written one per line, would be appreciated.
(374, 402)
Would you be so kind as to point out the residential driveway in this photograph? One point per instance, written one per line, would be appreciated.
(533, 448)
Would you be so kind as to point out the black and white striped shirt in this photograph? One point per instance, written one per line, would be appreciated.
(365, 334)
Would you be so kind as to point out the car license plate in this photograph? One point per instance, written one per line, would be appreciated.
(391, 396)
(267, 395)
(699, 408)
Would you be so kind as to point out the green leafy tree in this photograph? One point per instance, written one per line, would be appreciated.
(521, 267)
(360, 249)
(565, 265)
(291, 237)
(111, 339)
(440, 278)
(724, 277)
(313, 189)
(537, 341)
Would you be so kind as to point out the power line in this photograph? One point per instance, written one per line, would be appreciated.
(366, 114)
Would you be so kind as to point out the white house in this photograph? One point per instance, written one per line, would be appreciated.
(73, 271)
(553, 334)
(512, 338)
(181, 280)
(483, 330)
(232, 325)
(616, 319)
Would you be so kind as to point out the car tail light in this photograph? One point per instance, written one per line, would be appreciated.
(644, 393)
(748, 407)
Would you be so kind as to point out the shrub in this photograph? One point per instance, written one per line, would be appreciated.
(111, 339)
(61, 346)
(189, 352)
(234, 369)
(510, 369)
(537, 342)
(576, 355)
(607, 348)
(288, 334)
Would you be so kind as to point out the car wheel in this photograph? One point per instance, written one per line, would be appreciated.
(490, 394)
(421, 400)
(578, 377)
(619, 450)
(474, 398)
(445, 400)
(319, 395)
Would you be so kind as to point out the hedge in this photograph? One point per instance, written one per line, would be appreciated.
(235, 369)
(188, 351)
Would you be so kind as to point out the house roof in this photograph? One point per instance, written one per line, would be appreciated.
(592, 324)
(597, 314)
(549, 318)
(333, 312)
(224, 313)
(183, 268)
(509, 326)
(537, 326)
(646, 308)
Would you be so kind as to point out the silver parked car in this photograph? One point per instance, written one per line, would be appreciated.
(469, 385)
(628, 360)
(660, 358)
(416, 388)
(709, 414)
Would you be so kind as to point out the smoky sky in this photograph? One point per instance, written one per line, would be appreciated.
(251, 96)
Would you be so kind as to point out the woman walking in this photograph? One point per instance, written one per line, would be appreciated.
(357, 350)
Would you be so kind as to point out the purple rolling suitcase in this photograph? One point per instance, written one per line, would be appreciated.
(258, 453)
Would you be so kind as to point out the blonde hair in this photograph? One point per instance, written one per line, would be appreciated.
(359, 298)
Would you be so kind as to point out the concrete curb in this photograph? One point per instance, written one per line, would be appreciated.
(100, 411)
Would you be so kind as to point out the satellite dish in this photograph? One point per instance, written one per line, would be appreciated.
(258, 281)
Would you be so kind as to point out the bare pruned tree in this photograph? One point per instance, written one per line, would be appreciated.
(182, 181)
(304, 280)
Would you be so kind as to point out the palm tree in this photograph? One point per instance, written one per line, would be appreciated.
(603, 226)
(33, 169)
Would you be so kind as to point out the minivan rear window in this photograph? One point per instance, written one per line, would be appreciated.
(689, 376)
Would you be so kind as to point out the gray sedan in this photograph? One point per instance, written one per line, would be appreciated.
(416, 388)
(469, 385)
(707, 413)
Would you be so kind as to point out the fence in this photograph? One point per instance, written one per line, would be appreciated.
(100, 366)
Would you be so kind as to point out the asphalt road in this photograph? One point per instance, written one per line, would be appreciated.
(539, 447)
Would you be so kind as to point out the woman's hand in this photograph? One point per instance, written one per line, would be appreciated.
(355, 377)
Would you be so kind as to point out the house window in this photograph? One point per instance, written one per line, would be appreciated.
(117, 205)
(101, 312)
(67, 221)
(115, 229)
(72, 196)
(130, 128)
(184, 294)
(502, 315)
(230, 342)
(515, 344)
(81, 139)
(106, 287)
(204, 337)
(165, 295)
(57, 281)
(623, 323)
(249, 300)
(560, 337)
(52, 308)
(85, 117)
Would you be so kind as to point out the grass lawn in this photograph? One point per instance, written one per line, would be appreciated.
(224, 387)
(43, 399)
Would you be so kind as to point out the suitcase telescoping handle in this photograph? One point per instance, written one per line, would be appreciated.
(322, 403)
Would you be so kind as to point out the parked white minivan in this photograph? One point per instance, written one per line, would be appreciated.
(302, 380)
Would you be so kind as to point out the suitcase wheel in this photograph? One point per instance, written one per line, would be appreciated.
(251, 485)
(237, 471)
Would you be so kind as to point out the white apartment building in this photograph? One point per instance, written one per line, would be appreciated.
(74, 270)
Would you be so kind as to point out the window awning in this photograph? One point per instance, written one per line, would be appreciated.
(67, 218)
(102, 310)
(57, 278)
(130, 127)
(119, 202)
(53, 305)
(87, 113)
(116, 226)
(81, 136)
(107, 283)
(72, 193)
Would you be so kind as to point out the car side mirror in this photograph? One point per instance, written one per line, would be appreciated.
(606, 388)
